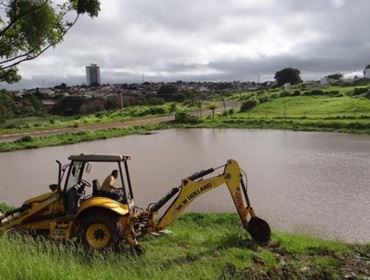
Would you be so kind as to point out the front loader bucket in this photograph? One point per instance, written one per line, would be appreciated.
(259, 229)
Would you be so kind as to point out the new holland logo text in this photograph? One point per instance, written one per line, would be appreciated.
(193, 195)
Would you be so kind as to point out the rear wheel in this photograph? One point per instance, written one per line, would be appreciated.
(100, 230)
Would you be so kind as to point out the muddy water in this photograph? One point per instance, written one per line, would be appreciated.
(315, 183)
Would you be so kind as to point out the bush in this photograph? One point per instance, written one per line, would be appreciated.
(247, 105)
(274, 95)
(184, 117)
(367, 95)
(358, 91)
(296, 93)
(157, 110)
(335, 93)
(263, 98)
(24, 139)
(156, 101)
(284, 93)
(11, 126)
(247, 96)
(316, 92)
(173, 107)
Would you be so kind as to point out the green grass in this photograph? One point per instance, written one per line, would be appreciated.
(201, 246)
(4, 207)
(72, 138)
(312, 107)
(52, 121)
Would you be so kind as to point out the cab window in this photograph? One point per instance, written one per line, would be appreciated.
(74, 175)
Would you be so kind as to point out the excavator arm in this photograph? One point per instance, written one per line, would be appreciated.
(194, 186)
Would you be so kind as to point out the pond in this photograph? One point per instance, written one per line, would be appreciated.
(305, 182)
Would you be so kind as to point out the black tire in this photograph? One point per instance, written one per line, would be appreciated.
(100, 230)
(259, 229)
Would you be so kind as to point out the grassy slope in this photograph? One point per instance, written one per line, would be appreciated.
(71, 138)
(313, 107)
(202, 246)
(52, 121)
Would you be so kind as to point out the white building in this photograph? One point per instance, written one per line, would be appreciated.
(93, 75)
(367, 72)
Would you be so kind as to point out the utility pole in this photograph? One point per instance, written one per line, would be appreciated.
(121, 106)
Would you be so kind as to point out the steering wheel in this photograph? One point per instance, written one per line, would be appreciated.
(86, 183)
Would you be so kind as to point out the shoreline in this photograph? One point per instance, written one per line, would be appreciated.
(338, 126)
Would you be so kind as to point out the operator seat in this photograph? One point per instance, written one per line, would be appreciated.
(95, 188)
(96, 191)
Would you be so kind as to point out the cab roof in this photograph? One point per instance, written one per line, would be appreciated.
(99, 157)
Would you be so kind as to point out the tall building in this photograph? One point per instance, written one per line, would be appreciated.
(93, 75)
(367, 72)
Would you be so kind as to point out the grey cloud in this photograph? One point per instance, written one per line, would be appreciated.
(170, 40)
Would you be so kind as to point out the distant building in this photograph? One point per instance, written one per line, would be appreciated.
(367, 72)
(93, 75)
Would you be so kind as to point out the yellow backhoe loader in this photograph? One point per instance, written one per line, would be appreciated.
(78, 209)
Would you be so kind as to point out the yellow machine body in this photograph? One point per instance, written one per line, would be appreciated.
(99, 221)
(190, 190)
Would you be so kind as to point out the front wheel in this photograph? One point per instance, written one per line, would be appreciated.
(100, 230)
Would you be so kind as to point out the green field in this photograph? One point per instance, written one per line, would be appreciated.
(54, 121)
(201, 246)
(312, 107)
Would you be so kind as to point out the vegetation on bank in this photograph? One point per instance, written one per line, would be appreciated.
(29, 142)
(201, 246)
(359, 126)
(339, 109)
(12, 125)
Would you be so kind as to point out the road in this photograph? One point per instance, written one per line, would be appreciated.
(99, 126)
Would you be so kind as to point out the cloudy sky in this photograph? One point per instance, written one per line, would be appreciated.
(209, 40)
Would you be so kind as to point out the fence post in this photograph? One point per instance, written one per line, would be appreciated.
(284, 111)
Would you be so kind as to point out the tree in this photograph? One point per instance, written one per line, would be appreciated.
(213, 106)
(247, 105)
(288, 75)
(30, 27)
(7, 106)
(62, 86)
(335, 76)
(168, 91)
(69, 106)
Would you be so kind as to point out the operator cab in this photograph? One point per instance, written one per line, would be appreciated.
(78, 187)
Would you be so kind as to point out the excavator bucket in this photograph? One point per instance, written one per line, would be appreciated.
(259, 229)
